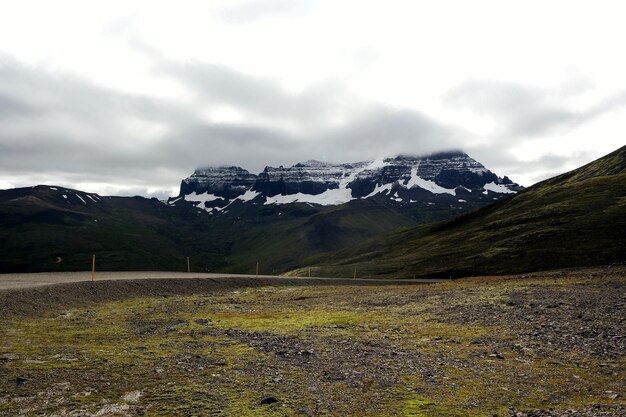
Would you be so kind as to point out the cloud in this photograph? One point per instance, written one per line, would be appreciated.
(12, 107)
(525, 111)
(550, 165)
(327, 119)
(503, 161)
(68, 125)
(58, 127)
(249, 11)
(258, 97)
(606, 105)
(383, 131)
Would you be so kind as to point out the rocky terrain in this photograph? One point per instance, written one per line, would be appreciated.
(441, 178)
(546, 344)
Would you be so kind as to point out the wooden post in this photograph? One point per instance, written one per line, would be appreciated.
(309, 272)
(93, 269)
(188, 269)
(355, 272)
(257, 269)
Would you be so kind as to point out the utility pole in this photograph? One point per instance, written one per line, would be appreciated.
(93, 269)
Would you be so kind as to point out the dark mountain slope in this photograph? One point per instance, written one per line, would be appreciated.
(48, 228)
(53, 228)
(575, 219)
(291, 233)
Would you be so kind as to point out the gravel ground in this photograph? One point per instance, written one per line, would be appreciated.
(546, 344)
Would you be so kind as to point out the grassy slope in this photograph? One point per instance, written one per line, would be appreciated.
(575, 219)
(35, 230)
(37, 225)
(282, 245)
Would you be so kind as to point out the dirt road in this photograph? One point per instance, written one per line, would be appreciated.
(17, 281)
(35, 294)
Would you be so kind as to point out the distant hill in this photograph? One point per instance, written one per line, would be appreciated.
(574, 219)
(52, 228)
(227, 219)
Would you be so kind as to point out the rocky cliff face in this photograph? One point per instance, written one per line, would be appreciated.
(226, 181)
(434, 179)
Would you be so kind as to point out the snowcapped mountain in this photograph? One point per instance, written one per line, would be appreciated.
(441, 178)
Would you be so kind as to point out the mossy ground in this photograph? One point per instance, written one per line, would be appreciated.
(455, 349)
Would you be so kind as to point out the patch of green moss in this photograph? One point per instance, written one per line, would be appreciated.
(420, 407)
(288, 321)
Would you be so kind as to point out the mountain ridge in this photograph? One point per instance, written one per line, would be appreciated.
(404, 178)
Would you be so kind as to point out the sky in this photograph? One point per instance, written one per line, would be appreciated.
(129, 97)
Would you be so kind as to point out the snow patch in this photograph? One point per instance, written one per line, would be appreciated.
(64, 196)
(327, 198)
(428, 185)
(376, 164)
(81, 199)
(462, 201)
(54, 188)
(201, 198)
(248, 195)
(379, 189)
(331, 197)
(497, 188)
(175, 200)
(91, 198)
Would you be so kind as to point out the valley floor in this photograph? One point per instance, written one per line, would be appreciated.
(546, 344)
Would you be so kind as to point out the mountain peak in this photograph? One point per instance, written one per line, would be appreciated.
(313, 163)
(448, 155)
(441, 178)
(451, 154)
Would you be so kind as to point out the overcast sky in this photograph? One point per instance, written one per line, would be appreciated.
(129, 97)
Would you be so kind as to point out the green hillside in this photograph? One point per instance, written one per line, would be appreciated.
(47, 228)
(575, 219)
